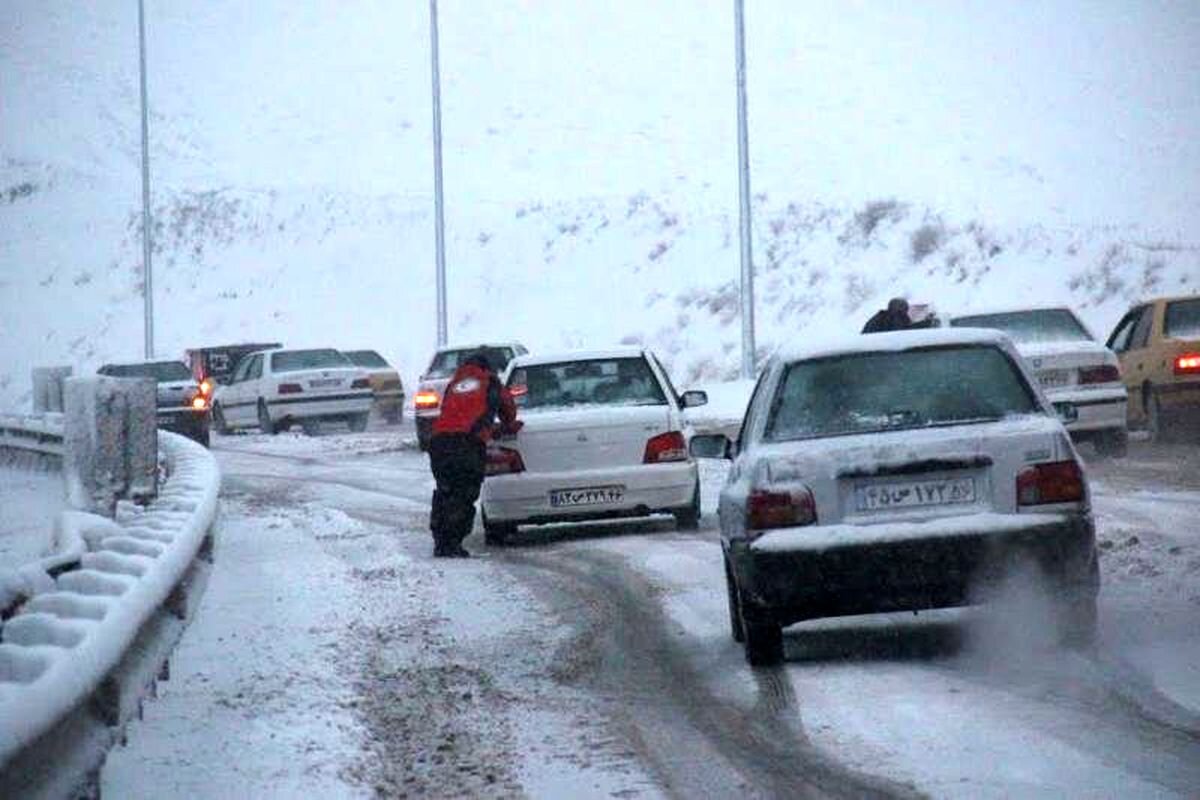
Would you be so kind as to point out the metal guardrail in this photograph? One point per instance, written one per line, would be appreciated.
(33, 433)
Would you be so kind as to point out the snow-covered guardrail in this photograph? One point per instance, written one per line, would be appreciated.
(40, 434)
(78, 656)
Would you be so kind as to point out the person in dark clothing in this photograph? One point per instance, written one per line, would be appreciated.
(471, 404)
(893, 318)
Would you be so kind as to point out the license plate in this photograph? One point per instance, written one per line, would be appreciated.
(915, 494)
(1053, 378)
(590, 496)
(322, 383)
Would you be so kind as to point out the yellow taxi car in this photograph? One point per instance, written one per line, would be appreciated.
(385, 384)
(1158, 344)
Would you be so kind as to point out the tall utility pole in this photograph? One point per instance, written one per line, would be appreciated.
(744, 231)
(439, 218)
(147, 269)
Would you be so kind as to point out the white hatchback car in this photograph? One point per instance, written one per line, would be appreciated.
(899, 471)
(603, 436)
(275, 388)
(1071, 366)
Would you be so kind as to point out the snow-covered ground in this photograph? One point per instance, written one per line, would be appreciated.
(333, 656)
(29, 502)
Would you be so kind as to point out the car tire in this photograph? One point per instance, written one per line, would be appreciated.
(497, 534)
(264, 420)
(311, 427)
(201, 436)
(764, 641)
(688, 517)
(394, 417)
(1156, 425)
(424, 434)
(218, 420)
(1113, 444)
(735, 609)
(357, 422)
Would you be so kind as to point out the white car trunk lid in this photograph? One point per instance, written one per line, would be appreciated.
(1056, 365)
(588, 438)
(322, 381)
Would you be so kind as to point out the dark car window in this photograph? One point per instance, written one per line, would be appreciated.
(1041, 325)
(1118, 342)
(869, 392)
(295, 360)
(1182, 320)
(1141, 331)
(159, 370)
(254, 371)
(600, 381)
(367, 358)
(445, 362)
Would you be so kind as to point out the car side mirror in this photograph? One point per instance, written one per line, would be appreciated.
(694, 398)
(710, 445)
(1067, 412)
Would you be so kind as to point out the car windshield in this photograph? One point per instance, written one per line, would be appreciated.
(1182, 320)
(159, 370)
(868, 392)
(446, 361)
(600, 382)
(367, 358)
(295, 360)
(1043, 325)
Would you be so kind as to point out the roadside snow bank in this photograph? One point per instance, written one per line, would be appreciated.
(60, 649)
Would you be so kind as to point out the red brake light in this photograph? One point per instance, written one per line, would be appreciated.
(199, 402)
(290, 388)
(518, 390)
(1187, 364)
(1055, 482)
(1105, 373)
(767, 509)
(426, 399)
(206, 387)
(503, 461)
(665, 447)
(360, 383)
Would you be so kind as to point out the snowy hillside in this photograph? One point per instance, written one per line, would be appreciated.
(962, 155)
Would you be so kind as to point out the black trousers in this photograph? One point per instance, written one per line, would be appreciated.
(457, 460)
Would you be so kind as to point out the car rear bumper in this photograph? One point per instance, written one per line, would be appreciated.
(648, 489)
(1099, 409)
(858, 569)
(318, 407)
(183, 420)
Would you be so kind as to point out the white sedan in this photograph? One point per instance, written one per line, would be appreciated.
(603, 436)
(272, 389)
(1071, 367)
(900, 471)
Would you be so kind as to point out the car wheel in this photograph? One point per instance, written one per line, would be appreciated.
(688, 518)
(357, 422)
(311, 427)
(1114, 443)
(424, 433)
(497, 533)
(202, 436)
(218, 420)
(264, 420)
(1155, 424)
(735, 611)
(764, 642)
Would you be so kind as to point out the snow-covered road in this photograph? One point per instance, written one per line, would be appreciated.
(333, 657)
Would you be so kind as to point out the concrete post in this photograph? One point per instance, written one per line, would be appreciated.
(48, 388)
(110, 442)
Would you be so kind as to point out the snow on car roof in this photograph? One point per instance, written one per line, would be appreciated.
(631, 351)
(893, 342)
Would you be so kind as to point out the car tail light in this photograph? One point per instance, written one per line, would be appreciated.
(1105, 373)
(1055, 482)
(666, 447)
(426, 400)
(199, 402)
(766, 509)
(290, 388)
(503, 461)
(360, 383)
(1187, 364)
(518, 390)
(206, 387)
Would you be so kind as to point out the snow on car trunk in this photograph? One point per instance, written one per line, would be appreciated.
(588, 437)
(1057, 364)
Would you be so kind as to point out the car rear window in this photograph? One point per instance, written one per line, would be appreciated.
(367, 358)
(1043, 325)
(600, 382)
(445, 362)
(160, 371)
(295, 360)
(869, 392)
(1182, 319)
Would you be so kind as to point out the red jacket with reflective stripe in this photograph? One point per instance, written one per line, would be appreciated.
(472, 401)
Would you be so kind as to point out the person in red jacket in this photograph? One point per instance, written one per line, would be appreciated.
(471, 403)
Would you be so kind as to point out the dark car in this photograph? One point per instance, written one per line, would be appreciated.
(184, 405)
